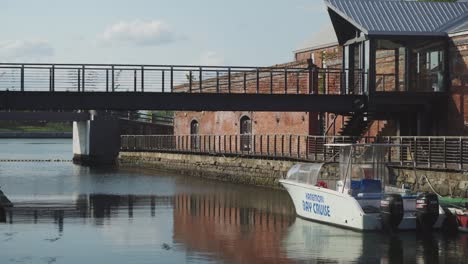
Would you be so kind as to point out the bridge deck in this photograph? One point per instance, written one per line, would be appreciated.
(288, 88)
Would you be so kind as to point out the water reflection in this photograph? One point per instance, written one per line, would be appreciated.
(307, 240)
(214, 227)
(214, 224)
(71, 214)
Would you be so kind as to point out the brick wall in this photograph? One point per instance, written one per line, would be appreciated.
(307, 123)
(228, 123)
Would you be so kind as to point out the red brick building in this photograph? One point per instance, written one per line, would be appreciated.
(422, 56)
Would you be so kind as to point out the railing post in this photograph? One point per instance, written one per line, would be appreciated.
(190, 81)
(261, 144)
(445, 153)
(298, 146)
(290, 145)
(258, 80)
(268, 145)
(52, 78)
(22, 78)
(316, 149)
(163, 81)
(142, 78)
(415, 152)
(217, 81)
(285, 80)
(229, 80)
(282, 145)
(311, 78)
(79, 80)
(172, 79)
(230, 144)
(274, 144)
(461, 153)
(219, 144)
(430, 154)
(83, 81)
(107, 80)
(224, 144)
(113, 78)
(254, 144)
(235, 144)
(134, 80)
(200, 78)
(204, 143)
(271, 81)
(297, 83)
(245, 82)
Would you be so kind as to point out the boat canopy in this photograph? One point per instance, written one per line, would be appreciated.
(306, 173)
(364, 164)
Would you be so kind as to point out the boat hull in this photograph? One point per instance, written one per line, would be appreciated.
(339, 209)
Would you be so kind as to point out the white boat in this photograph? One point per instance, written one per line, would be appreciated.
(359, 195)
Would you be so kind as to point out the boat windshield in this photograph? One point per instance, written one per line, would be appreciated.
(364, 165)
(306, 173)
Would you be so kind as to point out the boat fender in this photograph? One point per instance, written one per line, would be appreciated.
(391, 212)
(427, 211)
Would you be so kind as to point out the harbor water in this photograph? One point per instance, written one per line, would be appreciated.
(66, 213)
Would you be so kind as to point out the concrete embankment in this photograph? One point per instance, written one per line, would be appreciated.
(36, 135)
(257, 172)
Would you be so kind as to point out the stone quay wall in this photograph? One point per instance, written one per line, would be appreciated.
(445, 183)
(266, 173)
(258, 172)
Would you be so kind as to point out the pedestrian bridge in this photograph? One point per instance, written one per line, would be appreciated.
(294, 87)
(193, 88)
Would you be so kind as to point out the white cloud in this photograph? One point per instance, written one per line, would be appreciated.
(139, 32)
(25, 50)
(211, 58)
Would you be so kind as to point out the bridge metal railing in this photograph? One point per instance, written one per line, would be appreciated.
(144, 117)
(288, 79)
(450, 153)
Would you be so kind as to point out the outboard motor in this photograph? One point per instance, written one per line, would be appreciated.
(391, 212)
(427, 210)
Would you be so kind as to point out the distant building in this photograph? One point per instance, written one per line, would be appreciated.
(392, 51)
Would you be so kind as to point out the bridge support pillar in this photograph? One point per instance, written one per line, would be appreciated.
(96, 141)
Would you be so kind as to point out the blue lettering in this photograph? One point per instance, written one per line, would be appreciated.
(314, 198)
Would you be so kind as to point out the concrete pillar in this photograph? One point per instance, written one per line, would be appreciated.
(96, 141)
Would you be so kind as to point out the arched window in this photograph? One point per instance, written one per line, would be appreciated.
(245, 133)
(194, 137)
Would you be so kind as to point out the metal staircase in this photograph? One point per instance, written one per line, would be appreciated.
(356, 125)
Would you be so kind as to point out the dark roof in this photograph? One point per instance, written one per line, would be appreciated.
(386, 17)
(459, 27)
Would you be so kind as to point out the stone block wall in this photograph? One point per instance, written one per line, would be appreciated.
(266, 173)
(256, 172)
(443, 182)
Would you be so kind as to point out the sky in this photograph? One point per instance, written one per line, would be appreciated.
(176, 32)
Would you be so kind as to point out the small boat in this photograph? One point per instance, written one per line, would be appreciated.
(462, 218)
(355, 193)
